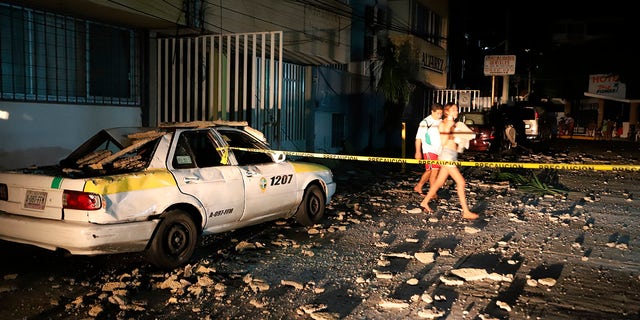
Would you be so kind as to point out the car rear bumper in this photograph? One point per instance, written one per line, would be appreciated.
(76, 237)
(331, 190)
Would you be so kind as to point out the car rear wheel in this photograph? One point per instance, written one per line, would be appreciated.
(174, 241)
(311, 210)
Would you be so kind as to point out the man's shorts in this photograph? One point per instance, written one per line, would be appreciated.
(430, 156)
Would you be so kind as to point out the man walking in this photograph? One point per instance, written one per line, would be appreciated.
(427, 145)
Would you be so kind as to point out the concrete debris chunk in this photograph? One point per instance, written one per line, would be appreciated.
(324, 316)
(383, 274)
(258, 285)
(471, 230)
(451, 281)
(290, 283)
(393, 304)
(111, 286)
(313, 307)
(95, 310)
(204, 281)
(258, 304)
(243, 245)
(425, 257)
(431, 313)
(470, 274)
(402, 255)
(415, 210)
(549, 282)
(503, 305)
(203, 269)
(380, 244)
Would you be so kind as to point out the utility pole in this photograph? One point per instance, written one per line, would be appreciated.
(505, 78)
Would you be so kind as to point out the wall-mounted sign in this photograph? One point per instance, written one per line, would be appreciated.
(607, 84)
(432, 62)
(499, 65)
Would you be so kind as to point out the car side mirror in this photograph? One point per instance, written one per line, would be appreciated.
(278, 157)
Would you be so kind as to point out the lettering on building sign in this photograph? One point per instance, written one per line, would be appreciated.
(499, 65)
(599, 78)
(432, 63)
(607, 84)
(607, 88)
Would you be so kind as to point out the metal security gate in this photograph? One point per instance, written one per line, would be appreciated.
(467, 100)
(237, 77)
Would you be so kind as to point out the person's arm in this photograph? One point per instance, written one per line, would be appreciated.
(418, 155)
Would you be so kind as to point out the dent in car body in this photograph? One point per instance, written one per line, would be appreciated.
(123, 194)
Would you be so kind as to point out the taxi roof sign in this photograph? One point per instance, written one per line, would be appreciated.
(499, 65)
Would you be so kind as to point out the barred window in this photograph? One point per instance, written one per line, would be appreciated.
(46, 57)
(337, 130)
(428, 25)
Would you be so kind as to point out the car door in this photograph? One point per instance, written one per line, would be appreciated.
(197, 166)
(270, 187)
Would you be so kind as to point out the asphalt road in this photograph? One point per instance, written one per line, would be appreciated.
(569, 255)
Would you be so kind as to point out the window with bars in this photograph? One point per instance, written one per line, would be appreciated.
(46, 57)
(337, 130)
(428, 25)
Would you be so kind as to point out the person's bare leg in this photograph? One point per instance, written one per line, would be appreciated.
(432, 181)
(460, 188)
(443, 174)
(423, 179)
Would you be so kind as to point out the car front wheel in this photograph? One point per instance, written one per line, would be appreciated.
(311, 210)
(174, 241)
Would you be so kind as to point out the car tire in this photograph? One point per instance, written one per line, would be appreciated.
(311, 210)
(174, 241)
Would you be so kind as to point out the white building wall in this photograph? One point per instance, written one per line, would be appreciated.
(321, 36)
(42, 134)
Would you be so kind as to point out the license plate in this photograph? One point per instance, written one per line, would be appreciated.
(527, 126)
(35, 200)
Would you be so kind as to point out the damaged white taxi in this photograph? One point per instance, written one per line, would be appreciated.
(158, 190)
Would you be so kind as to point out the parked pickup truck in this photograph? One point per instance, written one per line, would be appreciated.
(158, 190)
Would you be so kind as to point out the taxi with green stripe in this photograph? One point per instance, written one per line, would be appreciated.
(158, 190)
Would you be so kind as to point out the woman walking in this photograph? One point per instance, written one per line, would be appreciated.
(449, 152)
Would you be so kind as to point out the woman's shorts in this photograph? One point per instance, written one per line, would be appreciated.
(448, 154)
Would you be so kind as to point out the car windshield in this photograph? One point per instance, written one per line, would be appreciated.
(241, 139)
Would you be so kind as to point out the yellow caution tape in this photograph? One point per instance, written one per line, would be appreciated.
(514, 165)
(225, 155)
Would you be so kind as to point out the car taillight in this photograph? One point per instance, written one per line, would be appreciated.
(81, 200)
(535, 115)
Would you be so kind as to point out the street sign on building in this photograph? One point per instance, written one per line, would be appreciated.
(607, 85)
(499, 65)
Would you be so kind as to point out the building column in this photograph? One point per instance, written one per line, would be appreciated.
(633, 112)
(600, 112)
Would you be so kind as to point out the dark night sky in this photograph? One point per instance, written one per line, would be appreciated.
(562, 69)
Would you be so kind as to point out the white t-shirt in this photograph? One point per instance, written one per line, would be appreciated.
(430, 124)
